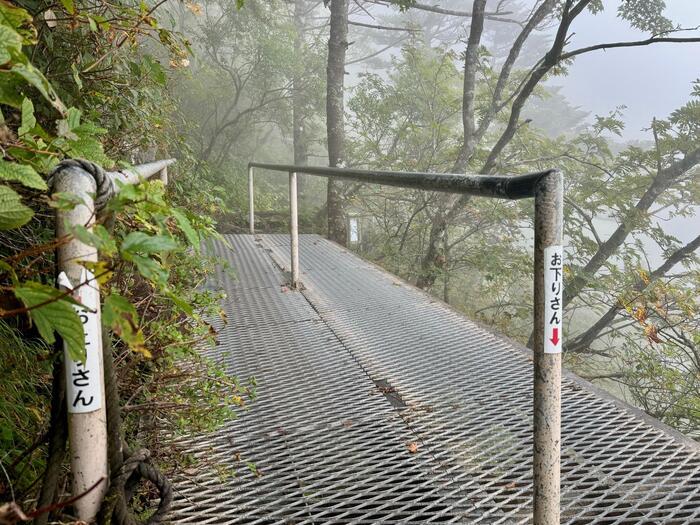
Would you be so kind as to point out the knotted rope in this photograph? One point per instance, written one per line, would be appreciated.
(103, 182)
(136, 466)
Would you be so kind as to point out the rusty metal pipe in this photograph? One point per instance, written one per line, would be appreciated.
(506, 187)
(547, 189)
(548, 292)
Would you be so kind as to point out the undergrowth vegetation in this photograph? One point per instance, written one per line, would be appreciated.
(83, 79)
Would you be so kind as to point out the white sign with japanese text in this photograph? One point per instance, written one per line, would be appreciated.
(83, 386)
(553, 298)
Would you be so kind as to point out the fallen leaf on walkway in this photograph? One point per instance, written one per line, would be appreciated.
(347, 423)
(510, 485)
(412, 447)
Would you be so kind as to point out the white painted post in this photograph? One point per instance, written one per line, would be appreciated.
(294, 228)
(251, 201)
(164, 176)
(87, 420)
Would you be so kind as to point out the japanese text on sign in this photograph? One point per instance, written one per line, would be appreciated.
(83, 386)
(553, 298)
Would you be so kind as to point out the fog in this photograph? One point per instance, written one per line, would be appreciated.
(651, 81)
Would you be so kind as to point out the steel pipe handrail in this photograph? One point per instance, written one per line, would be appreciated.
(547, 189)
(497, 186)
(142, 171)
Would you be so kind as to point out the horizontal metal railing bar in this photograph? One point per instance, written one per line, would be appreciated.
(142, 171)
(500, 186)
(547, 188)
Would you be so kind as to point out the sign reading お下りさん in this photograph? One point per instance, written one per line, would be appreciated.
(83, 385)
(553, 298)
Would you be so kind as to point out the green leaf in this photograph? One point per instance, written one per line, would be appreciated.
(9, 40)
(19, 20)
(98, 238)
(150, 269)
(182, 305)
(10, 88)
(88, 148)
(156, 70)
(186, 226)
(6, 268)
(65, 201)
(121, 316)
(22, 173)
(139, 242)
(13, 213)
(76, 73)
(57, 315)
(23, 68)
(28, 119)
(68, 125)
(69, 6)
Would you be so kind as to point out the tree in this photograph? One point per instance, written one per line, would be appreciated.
(335, 114)
(629, 303)
(521, 92)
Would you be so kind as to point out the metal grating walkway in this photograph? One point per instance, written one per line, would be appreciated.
(359, 366)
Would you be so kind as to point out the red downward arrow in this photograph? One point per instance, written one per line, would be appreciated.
(555, 336)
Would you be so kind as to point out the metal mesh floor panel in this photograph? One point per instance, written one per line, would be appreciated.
(359, 366)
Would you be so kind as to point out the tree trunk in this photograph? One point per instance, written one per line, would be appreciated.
(428, 269)
(550, 59)
(301, 149)
(335, 114)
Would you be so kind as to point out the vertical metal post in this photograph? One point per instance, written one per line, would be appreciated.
(251, 201)
(547, 356)
(294, 228)
(87, 421)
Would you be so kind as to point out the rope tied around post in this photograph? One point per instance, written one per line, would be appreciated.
(136, 467)
(103, 182)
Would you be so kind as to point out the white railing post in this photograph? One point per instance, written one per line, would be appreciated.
(85, 381)
(547, 346)
(85, 387)
(251, 201)
(294, 228)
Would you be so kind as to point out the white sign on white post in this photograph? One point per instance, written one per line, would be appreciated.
(354, 230)
(553, 298)
(83, 387)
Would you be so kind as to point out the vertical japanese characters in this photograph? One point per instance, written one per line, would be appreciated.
(83, 389)
(553, 298)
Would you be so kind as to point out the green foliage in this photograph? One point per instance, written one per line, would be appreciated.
(484, 263)
(646, 15)
(13, 213)
(89, 81)
(52, 312)
(26, 383)
(22, 173)
(121, 317)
